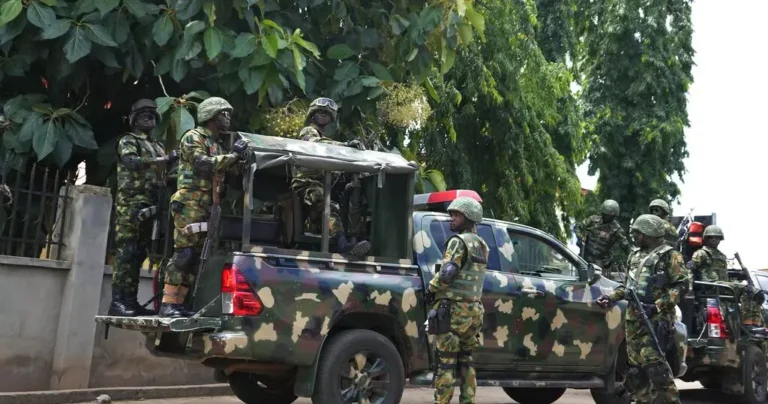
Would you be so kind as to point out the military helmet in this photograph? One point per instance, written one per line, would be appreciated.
(322, 104)
(141, 106)
(210, 107)
(714, 231)
(470, 208)
(650, 225)
(610, 207)
(659, 203)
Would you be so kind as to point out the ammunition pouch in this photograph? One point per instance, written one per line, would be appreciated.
(439, 319)
(658, 374)
(636, 380)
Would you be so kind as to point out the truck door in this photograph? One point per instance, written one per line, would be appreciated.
(429, 246)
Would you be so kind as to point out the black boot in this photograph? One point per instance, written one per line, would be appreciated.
(174, 310)
(345, 247)
(131, 298)
(120, 306)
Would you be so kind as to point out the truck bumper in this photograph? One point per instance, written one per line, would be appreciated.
(231, 344)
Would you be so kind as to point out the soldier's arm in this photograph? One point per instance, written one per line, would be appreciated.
(128, 152)
(621, 239)
(678, 278)
(194, 150)
(311, 134)
(453, 260)
(618, 293)
(698, 262)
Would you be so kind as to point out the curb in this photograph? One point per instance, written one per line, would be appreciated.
(115, 393)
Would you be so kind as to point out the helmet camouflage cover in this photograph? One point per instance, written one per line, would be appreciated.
(660, 204)
(323, 104)
(610, 207)
(650, 225)
(141, 106)
(210, 107)
(714, 231)
(467, 206)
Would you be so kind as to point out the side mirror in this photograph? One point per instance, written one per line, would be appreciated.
(593, 273)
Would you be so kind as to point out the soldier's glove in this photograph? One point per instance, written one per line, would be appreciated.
(650, 309)
(173, 156)
(603, 301)
(240, 146)
(749, 290)
(356, 144)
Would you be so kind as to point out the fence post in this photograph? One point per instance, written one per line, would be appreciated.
(85, 237)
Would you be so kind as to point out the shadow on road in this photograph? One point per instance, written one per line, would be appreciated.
(704, 396)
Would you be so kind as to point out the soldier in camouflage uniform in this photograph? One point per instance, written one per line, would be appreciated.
(308, 184)
(709, 264)
(658, 276)
(458, 289)
(141, 167)
(603, 232)
(202, 158)
(661, 209)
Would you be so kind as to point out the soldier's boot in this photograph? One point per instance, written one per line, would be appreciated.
(132, 299)
(119, 306)
(345, 247)
(173, 302)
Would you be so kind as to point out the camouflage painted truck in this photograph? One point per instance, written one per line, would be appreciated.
(279, 315)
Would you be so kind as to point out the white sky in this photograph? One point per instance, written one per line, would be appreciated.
(727, 137)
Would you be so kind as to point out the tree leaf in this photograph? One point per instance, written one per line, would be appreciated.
(273, 25)
(448, 58)
(346, 71)
(245, 44)
(77, 46)
(84, 7)
(10, 10)
(80, 134)
(162, 30)
(119, 27)
(182, 121)
(40, 15)
(296, 37)
(56, 29)
(301, 80)
(44, 141)
(193, 28)
(465, 33)
(252, 79)
(12, 30)
(213, 40)
(210, 10)
(381, 72)
(399, 24)
(188, 9)
(298, 59)
(138, 8)
(270, 43)
(106, 6)
(339, 52)
(51, 3)
(353, 89)
(431, 90)
(370, 81)
(33, 124)
(194, 49)
(199, 95)
(106, 56)
(179, 70)
(437, 180)
(163, 103)
(63, 151)
(99, 34)
(375, 92)
(476, 19)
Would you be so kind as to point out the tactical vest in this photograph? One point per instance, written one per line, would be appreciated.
(718, 266)
(187, 176)
(642, 274)
(468, 284)
(133, 181)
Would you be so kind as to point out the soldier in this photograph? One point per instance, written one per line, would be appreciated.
(308, 184)
(604, 233)
(658, 276)
(661, 209)
(456, 291)
(202, 158)
(709, 264)
(141, 166)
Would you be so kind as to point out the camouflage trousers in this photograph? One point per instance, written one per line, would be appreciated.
(454, 349)
(751, 311)
(132, 240)
(310, 193)
(185, 211)
(641, 353)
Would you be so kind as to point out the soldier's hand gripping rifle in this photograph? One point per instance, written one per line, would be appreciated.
(635, 302)
(211, 237)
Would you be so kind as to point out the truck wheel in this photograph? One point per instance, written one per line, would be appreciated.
(620, 395)
(710, 382)
(533, 395)
(262, 389)
(755, 375)
(359, 366)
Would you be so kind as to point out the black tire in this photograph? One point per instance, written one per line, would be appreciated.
(710, 382)
(620, 395)
(346, 353)
(755, 376)
(533, 395)
(262, 389)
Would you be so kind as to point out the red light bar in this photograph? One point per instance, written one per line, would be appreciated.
(444, 196)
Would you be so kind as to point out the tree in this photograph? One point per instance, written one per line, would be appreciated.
(637, 70)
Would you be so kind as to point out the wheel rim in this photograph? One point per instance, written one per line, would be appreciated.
(758, 382)
(364, 379)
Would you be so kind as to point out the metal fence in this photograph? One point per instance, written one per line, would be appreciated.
(32, 209)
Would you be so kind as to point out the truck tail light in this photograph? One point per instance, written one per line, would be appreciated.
(237, 296)
(715, 321)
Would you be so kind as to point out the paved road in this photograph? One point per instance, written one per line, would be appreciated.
(690, 393)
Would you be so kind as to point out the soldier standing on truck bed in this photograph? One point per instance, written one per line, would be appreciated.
(661, 209)
(659, 278)
(308, 184)
(202, 158)
(709, 264)
(141, 167)
(602, 233)
(456, 291)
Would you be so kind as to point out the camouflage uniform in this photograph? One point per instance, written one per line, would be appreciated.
(461, 281)
(670, 232)
(659, 277)
(202, 157)
(710, 265)
(602, 237)
(141, 169)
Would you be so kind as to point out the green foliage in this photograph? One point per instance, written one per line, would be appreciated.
(637, 66)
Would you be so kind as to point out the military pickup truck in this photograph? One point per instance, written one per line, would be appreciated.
(281, 316)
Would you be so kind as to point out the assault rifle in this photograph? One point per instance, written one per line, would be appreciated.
(635, 301)
(211, 237)
(744, 270)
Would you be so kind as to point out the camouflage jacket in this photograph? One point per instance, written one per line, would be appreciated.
(709, 265)
(658, 276)
(199, 148)
(470, 253)
(602, 238)
(312, 134)
(137, 180)
(670, 234)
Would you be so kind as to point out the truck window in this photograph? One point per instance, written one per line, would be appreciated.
(441, 231)
(762, 282)
(534, 255)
